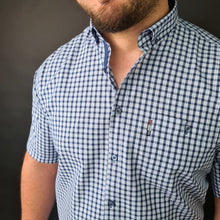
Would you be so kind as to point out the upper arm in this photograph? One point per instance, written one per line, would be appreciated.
(215, 173)
(40, 143)
(217, 208)
(31, 167)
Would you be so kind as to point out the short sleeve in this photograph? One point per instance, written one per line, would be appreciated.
(216, 172)
(40, 144)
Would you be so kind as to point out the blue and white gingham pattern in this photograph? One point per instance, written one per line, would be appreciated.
(112, 165)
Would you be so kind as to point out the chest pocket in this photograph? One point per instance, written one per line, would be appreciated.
(175, 145)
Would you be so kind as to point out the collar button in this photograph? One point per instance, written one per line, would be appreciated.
(156, 40)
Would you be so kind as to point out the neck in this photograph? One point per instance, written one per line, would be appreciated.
(126, 40)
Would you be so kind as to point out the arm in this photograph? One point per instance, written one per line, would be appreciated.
(217, 209)
(37, 189)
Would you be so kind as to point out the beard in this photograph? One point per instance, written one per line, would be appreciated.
(115, 17)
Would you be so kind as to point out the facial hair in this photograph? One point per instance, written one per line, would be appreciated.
(111, 19)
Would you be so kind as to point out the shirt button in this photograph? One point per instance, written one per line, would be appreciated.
(187, 129)
(114, 157)
(118, 110)
(111, 203)
(156, 40)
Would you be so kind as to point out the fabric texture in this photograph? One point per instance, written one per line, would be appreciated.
(140, 152)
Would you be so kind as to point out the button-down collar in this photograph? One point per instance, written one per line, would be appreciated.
(158, 31)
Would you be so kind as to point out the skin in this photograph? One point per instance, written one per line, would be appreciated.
(107, 13)
(38, 179)
(37, 189)
(115, 16)
(217, 209)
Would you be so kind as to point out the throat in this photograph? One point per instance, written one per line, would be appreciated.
(121, 65)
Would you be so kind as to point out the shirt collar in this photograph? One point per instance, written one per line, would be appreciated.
(154, 34)
(158, 31)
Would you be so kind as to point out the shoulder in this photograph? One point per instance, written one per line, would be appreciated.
(199, 47)
(193, 32)
(59, 58)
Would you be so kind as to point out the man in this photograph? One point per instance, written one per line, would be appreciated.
(126, 119)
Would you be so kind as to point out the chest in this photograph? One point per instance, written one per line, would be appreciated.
(91, 121)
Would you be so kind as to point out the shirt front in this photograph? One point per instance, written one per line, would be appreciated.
(143, 151)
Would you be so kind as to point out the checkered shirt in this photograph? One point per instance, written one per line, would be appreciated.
(145, 151)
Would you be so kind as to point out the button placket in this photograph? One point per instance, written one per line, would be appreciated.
(111, 172)
(109, 203)
(108, 166)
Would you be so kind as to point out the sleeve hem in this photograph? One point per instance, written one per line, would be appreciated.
(41, 159)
